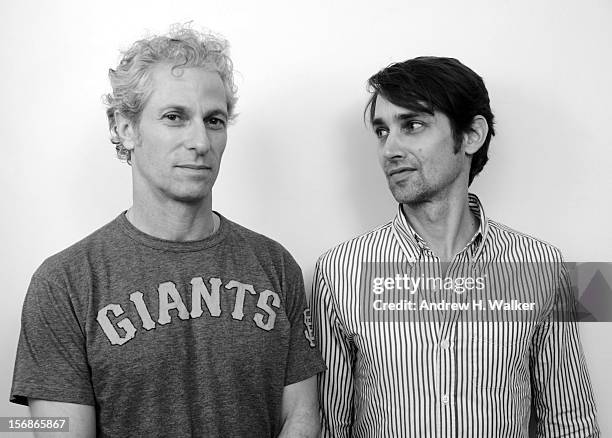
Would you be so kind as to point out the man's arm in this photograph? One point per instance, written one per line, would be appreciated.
(300, 410)
(82, 418)
(562, 394)
(51, 362)
(335, 384)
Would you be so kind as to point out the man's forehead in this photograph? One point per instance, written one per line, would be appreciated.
(385, 109)
(183, 85)
(167, 74)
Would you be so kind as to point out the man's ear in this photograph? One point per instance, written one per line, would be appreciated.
(476, 136)
(126, 131)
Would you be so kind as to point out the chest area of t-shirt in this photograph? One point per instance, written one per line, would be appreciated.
(192, 310)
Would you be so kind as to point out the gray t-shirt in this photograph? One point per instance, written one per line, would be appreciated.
(168, 338)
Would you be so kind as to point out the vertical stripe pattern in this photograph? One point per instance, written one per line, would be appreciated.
(446, 377)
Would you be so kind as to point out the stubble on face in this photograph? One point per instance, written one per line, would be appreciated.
(429, 182)
(181, 136)
(418, 153)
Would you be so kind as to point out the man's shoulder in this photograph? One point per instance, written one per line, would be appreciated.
(254, 238)
(522, 246)
(358, 248)
(77, 255)
(260, 243)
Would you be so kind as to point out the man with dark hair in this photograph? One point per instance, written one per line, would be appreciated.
(455, 90)
(171, 320)
(404, 359)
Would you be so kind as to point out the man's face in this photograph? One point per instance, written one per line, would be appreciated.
(181, 136)
(416, 152)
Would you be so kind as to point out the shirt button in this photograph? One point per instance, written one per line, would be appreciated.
(444, 344)
(445, 399)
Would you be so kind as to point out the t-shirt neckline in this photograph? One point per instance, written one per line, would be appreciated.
(171, 245)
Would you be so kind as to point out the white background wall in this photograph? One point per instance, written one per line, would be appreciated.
(300, 165)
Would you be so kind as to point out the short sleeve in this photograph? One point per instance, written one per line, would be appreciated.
(304, 358)
(51, 362)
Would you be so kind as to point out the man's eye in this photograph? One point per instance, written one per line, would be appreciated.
(216, 123)
(381, 132)
(173, 117)
(413, 125)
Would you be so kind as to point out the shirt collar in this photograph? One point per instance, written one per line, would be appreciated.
(414, 245)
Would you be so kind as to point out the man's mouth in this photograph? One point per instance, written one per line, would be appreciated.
(399, 171)
(193, 166)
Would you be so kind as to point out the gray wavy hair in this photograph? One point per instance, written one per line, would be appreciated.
(182, 47)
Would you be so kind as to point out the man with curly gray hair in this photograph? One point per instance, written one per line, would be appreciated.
(171, 320)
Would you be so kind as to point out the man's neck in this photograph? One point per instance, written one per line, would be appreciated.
(172, 220)
(447, 225)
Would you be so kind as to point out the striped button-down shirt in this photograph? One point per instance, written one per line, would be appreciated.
(447, 377)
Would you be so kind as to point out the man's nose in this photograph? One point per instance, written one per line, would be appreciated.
(198, 138)
(393, 147)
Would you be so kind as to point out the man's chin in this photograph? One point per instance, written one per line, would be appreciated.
(409, 197)
(190, 196)
(190, 193)
(190, 199)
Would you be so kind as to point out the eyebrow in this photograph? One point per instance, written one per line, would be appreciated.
(216, 112)
(183, 109)
(378, 121)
